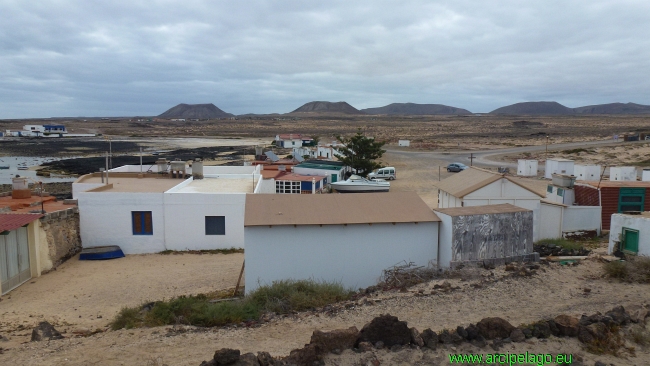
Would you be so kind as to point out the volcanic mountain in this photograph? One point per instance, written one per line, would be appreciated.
(327, 107)
(199, 111)
(416, 109)
(534, 108)
(614, 108)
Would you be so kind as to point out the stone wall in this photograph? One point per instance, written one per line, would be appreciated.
(59, 237)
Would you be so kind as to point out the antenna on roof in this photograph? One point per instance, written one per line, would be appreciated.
(272, 156)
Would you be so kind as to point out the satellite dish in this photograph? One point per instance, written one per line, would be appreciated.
(272, 156)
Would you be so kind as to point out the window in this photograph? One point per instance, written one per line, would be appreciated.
(215, 225)
(287, 186)
(560, 192)
(142, 223)
(631, 199)
(549, 188)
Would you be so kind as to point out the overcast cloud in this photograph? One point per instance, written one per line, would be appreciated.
(124, 58)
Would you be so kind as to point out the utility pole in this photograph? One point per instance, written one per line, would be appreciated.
(471, 159)
(546, 147)
(42, 208)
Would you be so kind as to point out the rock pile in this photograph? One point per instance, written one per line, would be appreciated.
(45, 331)
(388, 332)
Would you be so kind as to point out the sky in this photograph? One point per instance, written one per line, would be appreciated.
(127, 58)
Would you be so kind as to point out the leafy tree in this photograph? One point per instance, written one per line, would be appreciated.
(360, 153)
(316, 140)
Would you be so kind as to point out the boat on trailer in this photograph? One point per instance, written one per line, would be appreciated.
(357, 184)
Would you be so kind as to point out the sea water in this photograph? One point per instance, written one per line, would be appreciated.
(13, 162)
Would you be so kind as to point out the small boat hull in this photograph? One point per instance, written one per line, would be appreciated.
(360, 185)
(101, 253)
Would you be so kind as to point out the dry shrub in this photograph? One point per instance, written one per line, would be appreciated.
(636, 269)
(404, 275)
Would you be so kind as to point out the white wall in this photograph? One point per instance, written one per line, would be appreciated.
(444, 243)
(622, 173)
(645, 176)
(446, 200)
(354, 255)
(550, 222)
(209, 170)
(640, 223)
(587, 172)
(404, 143)
(527, 168)
(105, 219)
(185, 220)
(265, 186)
(152, 168)
(581, 218)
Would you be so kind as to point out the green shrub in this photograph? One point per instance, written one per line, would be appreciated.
(562, 243)
(280, 297)
(634, 269)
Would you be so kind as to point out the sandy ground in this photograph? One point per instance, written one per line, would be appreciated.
(82, 289)
(88, 294)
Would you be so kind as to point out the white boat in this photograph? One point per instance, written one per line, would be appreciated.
(357, 184)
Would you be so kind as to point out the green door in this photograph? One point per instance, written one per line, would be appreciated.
(630, 241)
(334, 178)
(631, 199)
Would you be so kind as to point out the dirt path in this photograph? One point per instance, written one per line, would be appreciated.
(552, 291)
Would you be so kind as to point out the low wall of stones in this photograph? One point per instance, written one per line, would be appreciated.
(60, 237)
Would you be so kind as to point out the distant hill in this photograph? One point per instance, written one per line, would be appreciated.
(199, 111)
(327, 107)
(614, 108)
(415, 109)
(534, 108)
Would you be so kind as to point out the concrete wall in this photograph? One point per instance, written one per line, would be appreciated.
(354, 255)
(105, 219)
(445, 236)
(322, 172)
(184, 215)
(640, 223)
(581, 218)
(83, 187)
(207, 169)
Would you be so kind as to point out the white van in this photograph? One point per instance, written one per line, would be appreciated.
(388, 173)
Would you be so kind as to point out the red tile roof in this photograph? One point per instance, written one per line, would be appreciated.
(14, 221)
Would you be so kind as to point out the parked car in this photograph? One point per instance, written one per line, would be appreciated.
(388, 173)
(456, 167)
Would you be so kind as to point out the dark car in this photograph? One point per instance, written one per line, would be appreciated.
(456, 167)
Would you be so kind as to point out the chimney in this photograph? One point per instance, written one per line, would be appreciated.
(20, 188)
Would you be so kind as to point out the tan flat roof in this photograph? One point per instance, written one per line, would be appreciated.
(336, 209)
(219, 185)
(134, 184)
(481, 210)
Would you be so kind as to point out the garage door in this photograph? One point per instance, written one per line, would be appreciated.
(14, 259)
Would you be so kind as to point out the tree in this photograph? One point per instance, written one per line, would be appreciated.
(360, 153)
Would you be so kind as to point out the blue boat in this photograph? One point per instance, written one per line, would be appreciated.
(100, 253)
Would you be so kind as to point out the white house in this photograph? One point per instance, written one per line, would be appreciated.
(587, 172)
(478, 187)
(527, 168)
(494, 234)
(290, 140)
(622, 173)
(558, 166)
(147, 213)
(404, 143)
(348, 238)
(630, 234)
